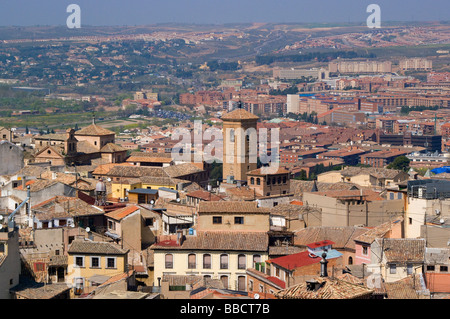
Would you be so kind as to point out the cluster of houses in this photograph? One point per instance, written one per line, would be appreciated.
(84, 218)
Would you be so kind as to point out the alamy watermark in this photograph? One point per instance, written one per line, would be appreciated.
(374, 20)
(74, 19)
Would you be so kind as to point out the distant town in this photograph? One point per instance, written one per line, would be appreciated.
(102, 197)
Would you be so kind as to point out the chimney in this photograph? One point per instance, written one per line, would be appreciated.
(323, 266)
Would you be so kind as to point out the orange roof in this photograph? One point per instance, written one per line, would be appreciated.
(122, 212)
(20, 187)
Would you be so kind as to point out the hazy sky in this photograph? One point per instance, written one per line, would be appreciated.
(141, 12)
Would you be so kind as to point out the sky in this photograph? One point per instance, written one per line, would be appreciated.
(145, 12)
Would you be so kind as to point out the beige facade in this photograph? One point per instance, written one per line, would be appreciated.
(354, 210)
(236, 264)
(86, 259)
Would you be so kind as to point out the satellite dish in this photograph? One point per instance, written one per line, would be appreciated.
(1, 226)
(178, 200)
(152, 202)
(442, 220)
(88, 229)
(437, 211)
(256, 296)
(1, 217)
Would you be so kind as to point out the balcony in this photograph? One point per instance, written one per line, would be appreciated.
(192, 265)
(223, 265)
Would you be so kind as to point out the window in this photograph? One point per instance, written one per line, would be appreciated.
(250, 285)
(207, 261)
(241, 283)
(261, 288)
(231, 135)
(410, 220)
(392, 269)
(430, 268)
(277, 272)
(391, 196)
(111, 225)
(110, 262)
(79, 261)
(258, 181)
(365, 250)
(217, 220)
(443, 269)
(239, 220)
(409, 269)
(284, 179)
(399, 196)
(242, 263)
(224, 261)
(256, 259)
(149, 222)
(191, 261)
(350, 260)
(95, 262)
(224, 279)
(39, 266)
(169, 261)
(252, 180)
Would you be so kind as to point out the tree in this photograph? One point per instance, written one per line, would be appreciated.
(400, 163)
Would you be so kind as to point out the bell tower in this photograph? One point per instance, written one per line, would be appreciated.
(239, 144)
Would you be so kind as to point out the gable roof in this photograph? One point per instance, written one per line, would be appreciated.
(403, 250)
(111, 148)
(82, 246)
(234, 207)
(329, 289)
(95, 130)
(239, 114)
(377, 232)
(121, 213)
(222, 241)
(341, 236)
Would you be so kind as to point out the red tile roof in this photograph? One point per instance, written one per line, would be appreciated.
(320, 244)
(294, 261)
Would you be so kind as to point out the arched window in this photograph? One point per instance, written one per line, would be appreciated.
(191, 261)
(241, 283)
(224, 279)
(232, 135)
(207, 261)
(169, 261)
(256, 259)
(242, 261)
(258, 181)
(224, 261)
(252, 180)
(350, 260)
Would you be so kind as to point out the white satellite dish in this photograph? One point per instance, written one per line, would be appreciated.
(1, 217)
(178, 200)
(108, 179)
(256, 296)
(437, 211)
(442, 220)
(152, 202)
(88, 229)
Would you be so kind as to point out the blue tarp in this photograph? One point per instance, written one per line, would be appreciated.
(439, 170)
